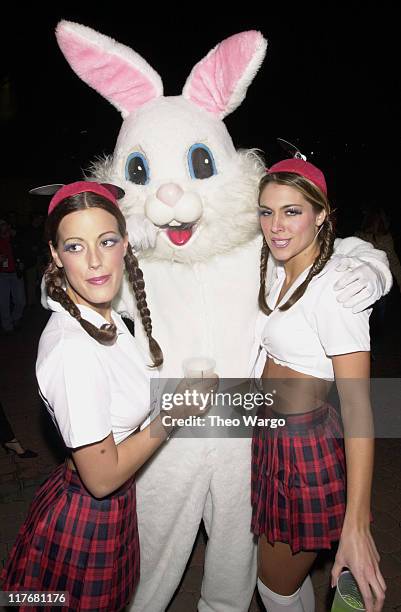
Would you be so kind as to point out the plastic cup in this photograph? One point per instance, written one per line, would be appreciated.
(348, 596)
(198, 367)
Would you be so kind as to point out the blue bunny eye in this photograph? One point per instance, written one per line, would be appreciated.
(201, 162)
(137, 168)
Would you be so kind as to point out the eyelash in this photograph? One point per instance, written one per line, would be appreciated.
(267, 213)
(112, 240)
(70, 248)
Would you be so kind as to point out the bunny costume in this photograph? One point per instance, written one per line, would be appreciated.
(178, 166)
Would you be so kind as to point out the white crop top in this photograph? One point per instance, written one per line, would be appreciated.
(90, 389)
(315, 328)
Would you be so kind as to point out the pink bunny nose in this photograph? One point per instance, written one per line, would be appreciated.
(169, 194)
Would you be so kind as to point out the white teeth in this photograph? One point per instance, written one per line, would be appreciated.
(281, 242)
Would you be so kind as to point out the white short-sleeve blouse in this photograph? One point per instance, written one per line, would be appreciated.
(315, 328)
(90, 389)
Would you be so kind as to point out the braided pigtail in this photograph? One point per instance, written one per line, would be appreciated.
(264, 255)
(55, 282)
(135, 276)
(326, 251)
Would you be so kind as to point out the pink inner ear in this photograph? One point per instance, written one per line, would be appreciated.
(113, 77)
(214, 80)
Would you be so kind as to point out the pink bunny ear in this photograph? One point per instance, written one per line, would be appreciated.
(219, 82)
(115, 71)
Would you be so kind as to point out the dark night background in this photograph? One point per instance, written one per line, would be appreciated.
(329, 83)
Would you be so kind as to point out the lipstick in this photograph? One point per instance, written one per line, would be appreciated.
(99, 280)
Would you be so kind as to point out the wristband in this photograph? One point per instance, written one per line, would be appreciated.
(169, 429)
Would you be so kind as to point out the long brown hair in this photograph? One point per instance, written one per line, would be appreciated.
(55, 277)
(326, 237)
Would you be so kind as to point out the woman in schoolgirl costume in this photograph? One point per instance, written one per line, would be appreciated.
(81, 535)
(310, 482)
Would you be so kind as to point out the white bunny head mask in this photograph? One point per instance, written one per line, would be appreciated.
(174, 156)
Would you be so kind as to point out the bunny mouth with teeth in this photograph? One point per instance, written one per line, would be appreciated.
(175, 212)
(179, 233)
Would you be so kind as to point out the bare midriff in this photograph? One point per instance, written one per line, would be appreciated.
(295, 392)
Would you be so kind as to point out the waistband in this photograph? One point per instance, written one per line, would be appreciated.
(303, 422)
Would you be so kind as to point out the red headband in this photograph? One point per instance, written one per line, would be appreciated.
(80, 187)
(303, 168)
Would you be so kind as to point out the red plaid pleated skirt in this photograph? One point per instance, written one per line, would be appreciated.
(298, 480)
(74, 542)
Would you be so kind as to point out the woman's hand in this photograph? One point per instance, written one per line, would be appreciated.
(194, 397)
(191, 398)
(357, 551)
